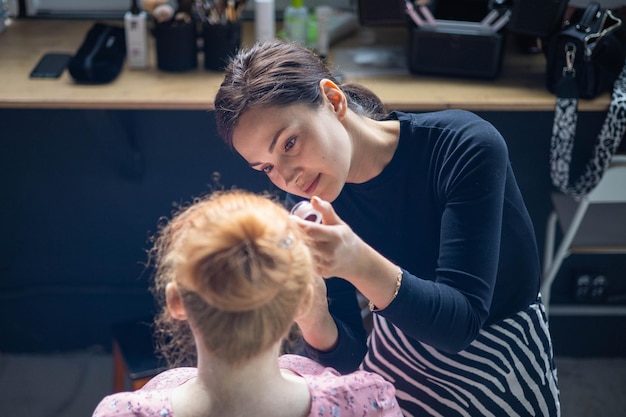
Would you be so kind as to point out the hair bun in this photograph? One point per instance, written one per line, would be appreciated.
(236, 259)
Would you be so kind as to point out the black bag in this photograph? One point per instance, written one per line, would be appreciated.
(585, 57)
(100, 58)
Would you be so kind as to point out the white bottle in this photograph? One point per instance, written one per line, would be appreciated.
(322, 14)
(264, 20)
(296, 21)
(135, 25)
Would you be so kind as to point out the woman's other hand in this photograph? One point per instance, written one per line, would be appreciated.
(316, 324)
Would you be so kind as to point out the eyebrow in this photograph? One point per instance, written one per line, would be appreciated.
(271, 147)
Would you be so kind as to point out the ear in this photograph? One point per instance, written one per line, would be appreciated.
(174, 302)
(334, 96)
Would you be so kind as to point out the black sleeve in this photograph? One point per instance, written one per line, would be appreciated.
(449, 311)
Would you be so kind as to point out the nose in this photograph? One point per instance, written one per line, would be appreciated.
(288, 174)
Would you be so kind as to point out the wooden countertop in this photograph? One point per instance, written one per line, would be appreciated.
(519, 88)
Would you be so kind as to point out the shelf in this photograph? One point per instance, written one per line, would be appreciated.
(587, 310)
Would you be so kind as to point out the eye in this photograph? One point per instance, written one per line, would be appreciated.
(267, 169)
(290, 143)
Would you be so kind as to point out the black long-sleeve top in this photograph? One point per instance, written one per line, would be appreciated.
(448, 211)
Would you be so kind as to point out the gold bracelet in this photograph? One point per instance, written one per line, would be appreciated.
(371, 305)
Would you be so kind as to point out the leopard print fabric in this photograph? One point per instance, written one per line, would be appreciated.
(609, 138)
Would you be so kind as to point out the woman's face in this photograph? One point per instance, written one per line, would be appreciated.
(303, 151)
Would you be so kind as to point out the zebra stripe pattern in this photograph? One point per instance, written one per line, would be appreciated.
(507, 371)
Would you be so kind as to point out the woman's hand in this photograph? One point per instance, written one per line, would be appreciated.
(338, 252)
(334, 246)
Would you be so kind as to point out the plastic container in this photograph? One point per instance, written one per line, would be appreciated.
(296, 22)
(264, 20)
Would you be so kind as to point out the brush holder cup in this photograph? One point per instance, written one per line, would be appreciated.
(220, 42)
(176, 46)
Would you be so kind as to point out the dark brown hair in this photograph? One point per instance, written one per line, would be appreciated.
(276, 73)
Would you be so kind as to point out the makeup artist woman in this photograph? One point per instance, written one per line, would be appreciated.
(423, 215)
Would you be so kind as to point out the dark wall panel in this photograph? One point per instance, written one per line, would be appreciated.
(82, 191)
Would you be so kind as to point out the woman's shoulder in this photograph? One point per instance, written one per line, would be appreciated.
(438, 115)
(453, 127)
(455, 119)
(152, 400)
(356, 393)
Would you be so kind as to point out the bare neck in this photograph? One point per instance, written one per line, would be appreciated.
(374, 144)
(257, 387)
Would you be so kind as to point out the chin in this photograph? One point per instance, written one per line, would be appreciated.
(328, 196)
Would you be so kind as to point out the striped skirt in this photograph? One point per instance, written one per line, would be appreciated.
(508, 370)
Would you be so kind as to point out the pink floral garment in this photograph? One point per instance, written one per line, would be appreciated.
(360, 393)
(152, 400)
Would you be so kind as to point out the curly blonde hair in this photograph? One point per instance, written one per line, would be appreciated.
(242, 268)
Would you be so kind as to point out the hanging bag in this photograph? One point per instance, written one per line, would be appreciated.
(584, 60)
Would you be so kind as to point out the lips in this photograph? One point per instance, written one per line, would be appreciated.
(309, 190)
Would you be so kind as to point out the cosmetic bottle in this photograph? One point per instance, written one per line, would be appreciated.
(322, 15)
(296, 21)
(264, 20)
(135, 26)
